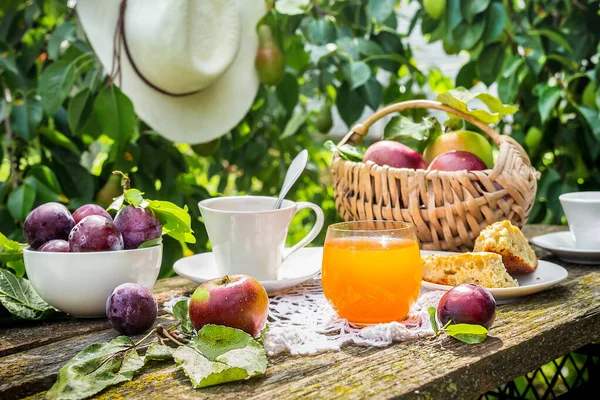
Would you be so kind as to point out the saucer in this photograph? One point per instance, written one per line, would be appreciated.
(562, 245)
(546, 275)
(299, 267)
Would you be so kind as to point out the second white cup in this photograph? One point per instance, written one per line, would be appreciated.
(248, 237)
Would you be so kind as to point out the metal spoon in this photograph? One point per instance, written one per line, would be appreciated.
(293, 173)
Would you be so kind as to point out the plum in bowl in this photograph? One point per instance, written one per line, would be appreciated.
(80, 283)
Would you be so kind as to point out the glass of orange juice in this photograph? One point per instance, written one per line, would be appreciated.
(371, 270)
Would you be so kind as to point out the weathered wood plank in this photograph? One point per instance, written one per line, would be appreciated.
(525, 335)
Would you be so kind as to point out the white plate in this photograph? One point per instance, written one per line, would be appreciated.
(562, 245)
(297, 268)
(546, 275)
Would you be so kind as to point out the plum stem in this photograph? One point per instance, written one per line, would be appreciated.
(126, 181)
(166, 334)
(144, 338)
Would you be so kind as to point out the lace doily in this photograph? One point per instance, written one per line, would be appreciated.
(302, 322)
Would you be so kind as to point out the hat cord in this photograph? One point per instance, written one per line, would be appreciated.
(116, 72)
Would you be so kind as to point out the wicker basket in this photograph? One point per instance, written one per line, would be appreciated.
(447, 208)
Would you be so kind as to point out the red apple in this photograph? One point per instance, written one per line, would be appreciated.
(472, 142)
(457, 161)
(467, 304)
(236, 301)
(394, 154)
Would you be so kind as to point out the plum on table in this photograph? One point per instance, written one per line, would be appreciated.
(95, 233)
(137, 225)
(47, 222)
(467, 304)
(131, 309)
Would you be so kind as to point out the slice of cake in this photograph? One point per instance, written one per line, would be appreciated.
(484, 269)
(507, 240)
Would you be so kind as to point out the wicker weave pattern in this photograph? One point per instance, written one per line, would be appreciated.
(448, 209)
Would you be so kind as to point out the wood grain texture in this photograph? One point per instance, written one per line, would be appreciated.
(525, 335)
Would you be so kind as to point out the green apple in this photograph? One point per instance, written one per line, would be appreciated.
(434, 8)
(460, 140)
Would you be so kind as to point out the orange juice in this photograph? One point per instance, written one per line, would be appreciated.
(371, 280)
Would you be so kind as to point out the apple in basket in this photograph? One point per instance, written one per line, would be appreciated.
(457, 161)
(394, 154)
(460, 140)
(236, 301)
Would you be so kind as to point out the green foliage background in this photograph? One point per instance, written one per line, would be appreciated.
(63, 130)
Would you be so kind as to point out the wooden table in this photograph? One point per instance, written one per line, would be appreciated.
(526, 335)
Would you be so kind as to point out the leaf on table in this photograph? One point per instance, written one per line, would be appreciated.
(181, 313)
(176, 221)
(95, 368)
(467, 333)
(346, 151)
(19, 298)
(434, 324)
(158, 352)
(460, 97)
(220, 354)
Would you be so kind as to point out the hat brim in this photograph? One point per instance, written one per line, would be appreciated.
(197, 118)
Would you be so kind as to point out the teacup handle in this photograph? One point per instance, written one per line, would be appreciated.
(313, 232)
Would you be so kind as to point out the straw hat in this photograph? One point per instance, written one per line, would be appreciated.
(187, 65)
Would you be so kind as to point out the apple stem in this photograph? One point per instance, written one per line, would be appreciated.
(225, 280)
(126, 180)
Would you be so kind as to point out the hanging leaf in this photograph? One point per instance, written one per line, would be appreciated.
(349, 103)
(9, 249)
(61, 33)
(357, 73)
(346, 151)
(287, 92)
(489, 63)
(55, 84)
(294, 124)
(20, 201)
(549, 96)
(556, 37)
(403, 129)
(320, 32)
(220, 354)
(175, 221)
(80, 110)
(381, 10)
(496, 19)
(460, 97)
(467, 76)
(453, 14)
(115, 114)
(469, 9)
(466, 35)
(25, 116)
(151, 243)
(95, 368)
(372, 93)
(291, 7)
(19, 298)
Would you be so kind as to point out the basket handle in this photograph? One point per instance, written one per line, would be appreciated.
(362, 129)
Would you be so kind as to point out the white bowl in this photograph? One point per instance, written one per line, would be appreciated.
(80, 283)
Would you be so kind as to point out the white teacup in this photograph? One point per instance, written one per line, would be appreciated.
(583, 215)
(248, 237)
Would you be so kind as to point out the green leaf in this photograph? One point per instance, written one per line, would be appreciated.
(175, 221)
(19, 298)
(432, 319)
(471, 334)
(181, 313)
(117, 203)
(467, 76)
(466, 35)
(25, 116)
(368, 47)
(220, 354)
(59, 139)
(134, 197)
(556, 37)
(288, 91)
(80, 110)
(44, 193)
(158, 352)
(403, 129)
(469, 9)
(18, 266)
(349, 103)
(346, 151)
(357, 73)
(453, 14)
(294, 124)
(7, 59)
(20, 201)
(10, 250)
(55, 84)
(291, 7)
(549, 96)
(151, 243)
(489, 63)
(95, 368)
(496, 19)
(460, 97)
(591, 118)
(381, 9)
(372, 93)
(61, 33)
(115, 114)
(321, 31)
